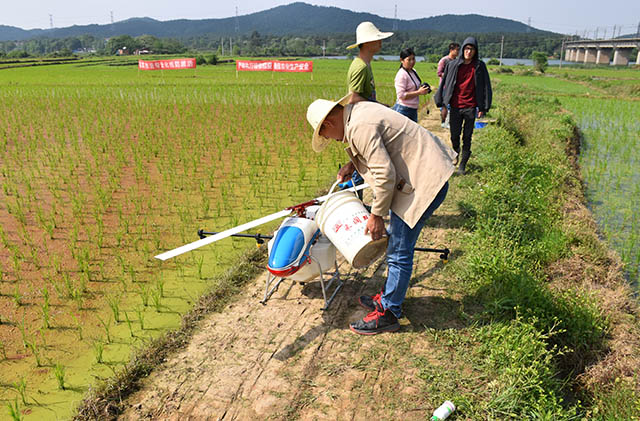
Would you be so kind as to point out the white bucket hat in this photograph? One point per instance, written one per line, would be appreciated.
(367, 32)
(316, 113)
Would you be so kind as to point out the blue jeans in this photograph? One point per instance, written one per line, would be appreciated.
(410, 113)
(402, 240)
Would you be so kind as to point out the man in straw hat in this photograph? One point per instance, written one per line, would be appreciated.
(408, 169)
(360, 76)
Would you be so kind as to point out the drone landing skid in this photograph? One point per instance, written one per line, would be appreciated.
(273, 282)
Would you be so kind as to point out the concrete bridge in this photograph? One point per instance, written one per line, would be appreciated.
(600, 51)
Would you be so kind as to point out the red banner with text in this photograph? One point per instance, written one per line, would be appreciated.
(178, 63)
(274, 66)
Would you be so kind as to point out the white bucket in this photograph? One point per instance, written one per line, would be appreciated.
(343, 218)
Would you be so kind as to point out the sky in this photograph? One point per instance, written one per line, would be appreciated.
(552, 15)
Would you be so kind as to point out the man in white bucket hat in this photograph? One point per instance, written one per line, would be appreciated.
(408, 169)
(360, 76)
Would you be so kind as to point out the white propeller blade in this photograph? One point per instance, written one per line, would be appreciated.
(224, 234)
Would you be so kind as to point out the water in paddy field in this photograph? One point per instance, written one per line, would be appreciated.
(610, 161)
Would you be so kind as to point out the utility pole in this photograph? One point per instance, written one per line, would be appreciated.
(324, 47)
(51, 20)
(395, 19)
(501, 49)
(638, 33)
(112, 16)
(614, 31)
(561, 52)
(237, 21)
(230, 46)
(605, 33)
(222, 44)
(529, 24)
(596, 37)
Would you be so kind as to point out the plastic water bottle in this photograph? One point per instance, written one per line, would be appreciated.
(444, 411)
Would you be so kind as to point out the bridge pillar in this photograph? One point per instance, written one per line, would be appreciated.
(567, 54)
(638, 58)
(604, 55)
(579, 57)
(621, 56)
(590, 55)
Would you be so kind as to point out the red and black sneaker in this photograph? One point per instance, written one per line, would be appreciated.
(378, 321)
(367, 301)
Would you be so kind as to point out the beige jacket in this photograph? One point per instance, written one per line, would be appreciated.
(405, 164)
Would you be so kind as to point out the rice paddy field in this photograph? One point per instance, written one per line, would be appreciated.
(605, 104)
(102, 167)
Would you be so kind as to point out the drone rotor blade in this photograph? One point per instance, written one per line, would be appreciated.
(224, 234)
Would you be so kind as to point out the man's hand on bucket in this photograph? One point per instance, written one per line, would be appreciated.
(345, 172)
(375, 227)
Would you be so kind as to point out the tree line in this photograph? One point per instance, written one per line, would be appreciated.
(427, 44)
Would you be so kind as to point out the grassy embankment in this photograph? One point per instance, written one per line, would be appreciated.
(532, 264)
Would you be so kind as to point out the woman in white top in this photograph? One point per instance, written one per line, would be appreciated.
(409, 87)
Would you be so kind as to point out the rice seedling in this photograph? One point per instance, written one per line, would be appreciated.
(35, 350)
(107, 327)
(17, 296)
(129, 324)
(114, 305)
(156, 298)
(140, 313)
(143, 293)
(14, 410)
(59, 373)
(46, 322)
(98, 350)
(78, 326)
(21, 387)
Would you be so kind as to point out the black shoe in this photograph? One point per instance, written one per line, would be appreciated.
(367, 301)
(378, 321)
(462, 168)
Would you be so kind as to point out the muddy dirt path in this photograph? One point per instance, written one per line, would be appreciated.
(291, 360)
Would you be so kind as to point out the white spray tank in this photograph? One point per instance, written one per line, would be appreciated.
(298, 250)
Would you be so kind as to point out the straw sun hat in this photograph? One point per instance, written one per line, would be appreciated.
(316, 113)
(367, 32)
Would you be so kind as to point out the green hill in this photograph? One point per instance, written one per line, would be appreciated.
(292, 19)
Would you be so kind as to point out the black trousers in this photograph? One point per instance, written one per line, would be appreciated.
(462, 120)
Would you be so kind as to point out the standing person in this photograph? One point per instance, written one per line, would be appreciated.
(466, 89)
(454, 50)
(408, 169)
(409, 86)
(360, 76)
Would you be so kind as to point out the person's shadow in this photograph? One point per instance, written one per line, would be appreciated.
(424, 312)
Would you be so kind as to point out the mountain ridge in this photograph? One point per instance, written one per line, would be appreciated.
(293, 19)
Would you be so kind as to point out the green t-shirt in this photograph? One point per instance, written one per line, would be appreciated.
(360, 79)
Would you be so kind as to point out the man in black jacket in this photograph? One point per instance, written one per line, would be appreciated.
(466, 88)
